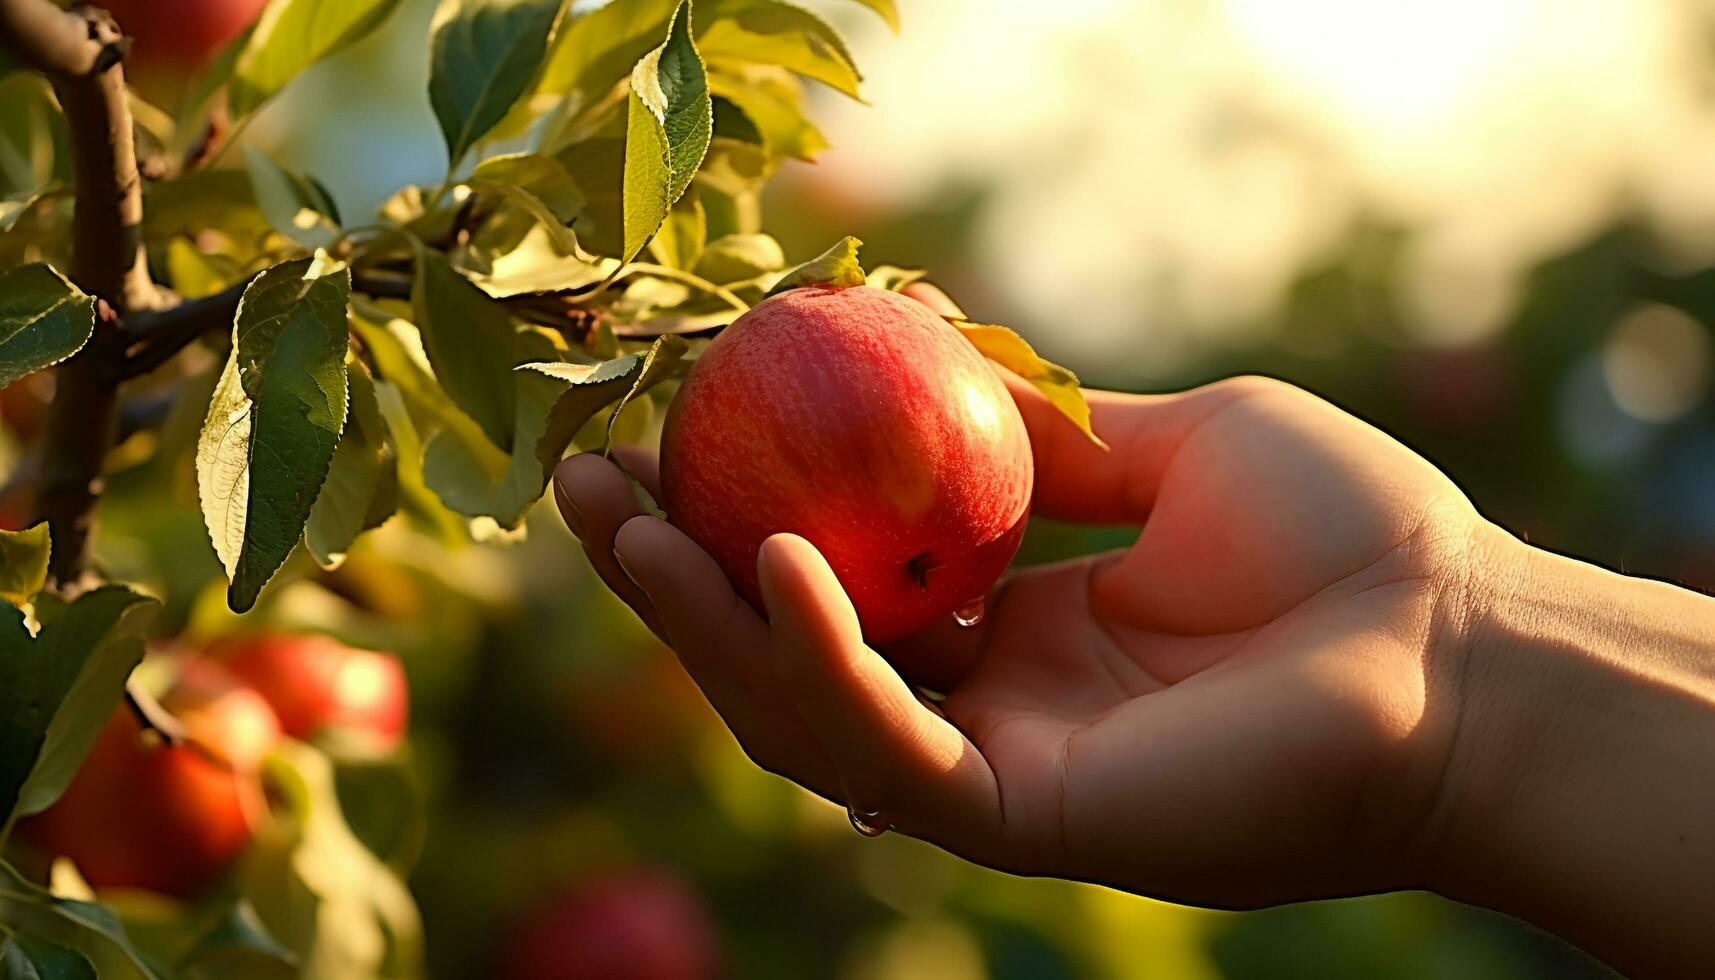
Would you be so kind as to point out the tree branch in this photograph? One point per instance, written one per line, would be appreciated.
(80, 51)
(155, 336)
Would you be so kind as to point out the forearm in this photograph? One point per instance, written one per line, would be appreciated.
(1581, 778)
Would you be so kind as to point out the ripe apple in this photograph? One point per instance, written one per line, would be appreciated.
(319, 687)
(633, 924)
(170, 819)
(863, 421)
(171, 40)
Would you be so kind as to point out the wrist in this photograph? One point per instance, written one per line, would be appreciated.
(1580, 735)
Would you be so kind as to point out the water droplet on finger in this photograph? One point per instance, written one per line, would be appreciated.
(969, 614)
(868, 824)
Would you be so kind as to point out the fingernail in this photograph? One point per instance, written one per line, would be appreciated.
(569, 509)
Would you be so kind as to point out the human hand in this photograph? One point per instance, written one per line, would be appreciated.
(1242, 708)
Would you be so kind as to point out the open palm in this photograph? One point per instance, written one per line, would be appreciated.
(1239, 709)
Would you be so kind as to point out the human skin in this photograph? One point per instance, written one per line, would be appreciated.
(1318, 672)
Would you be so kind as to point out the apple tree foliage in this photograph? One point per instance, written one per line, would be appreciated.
(598, 219)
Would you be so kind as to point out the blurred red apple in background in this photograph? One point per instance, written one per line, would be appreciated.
(170, 819)
(634, 924)
(320, 687)
(863, 421)
(171, 40)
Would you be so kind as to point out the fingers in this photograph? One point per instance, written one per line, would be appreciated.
(892, 754)
(723, 644)
(643, 465)
(596, 500)
(1076, 480)
(940, 655)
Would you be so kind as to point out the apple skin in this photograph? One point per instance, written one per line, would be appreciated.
(168, 819)
(636, 923)
(317, 684)
(862, 421)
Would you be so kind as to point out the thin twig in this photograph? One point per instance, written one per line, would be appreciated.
(156, 336)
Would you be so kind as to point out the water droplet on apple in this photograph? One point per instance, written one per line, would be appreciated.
(969, 614)
(867, 824)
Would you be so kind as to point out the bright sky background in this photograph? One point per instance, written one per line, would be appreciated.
(1166, 167)
(1162, 170)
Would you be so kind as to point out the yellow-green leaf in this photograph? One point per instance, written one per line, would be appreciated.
(274, 421)
(773, 101)
(363, 480)
(1006, 348)
(774, 32)
(668, 125)
(837, 267)
(24, 563)
(292, 35)
(892, 278)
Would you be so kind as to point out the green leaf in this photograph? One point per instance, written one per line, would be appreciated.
(471, 344)
(93, 930)
(238, 944)
(295, 205)
(317, 890)
(13, 208)
(679, 243)
(737, 258)
(200, 201)
(588, 388)
(292, 35)
(669, 122)
(363, 480)
(30, 958)
(732, 123)
(274, 421)
(1006, 348)
(598, 48)
(58, 688)
(892, 278)
(543, 176)
(540, 186)
(462, 470)
(24, 563)
(773, 32)
(837, 267)
(598, 165)
(483, 55)
(400, 362)
(43, 320)
(774, 104)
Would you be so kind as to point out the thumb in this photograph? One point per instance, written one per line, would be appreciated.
(892, 753)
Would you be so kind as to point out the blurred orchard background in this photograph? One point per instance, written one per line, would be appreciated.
(1485, 225)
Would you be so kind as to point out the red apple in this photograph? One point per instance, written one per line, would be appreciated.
(319, 686)
(634, 924)
(171, 40)
(170, 819)
(14, 514)
(863, 421)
